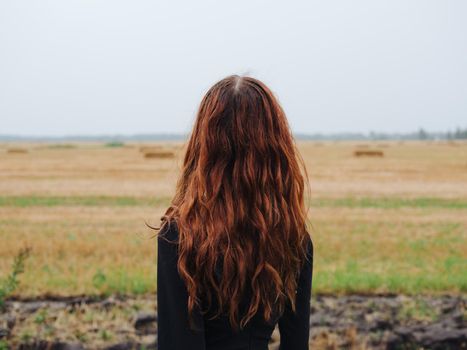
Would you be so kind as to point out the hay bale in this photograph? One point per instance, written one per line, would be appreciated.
(17, 150)
(153, 154)
(368, 153)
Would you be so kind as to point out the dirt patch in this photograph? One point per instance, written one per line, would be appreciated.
(351, 322)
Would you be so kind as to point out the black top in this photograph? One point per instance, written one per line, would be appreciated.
(174, 332)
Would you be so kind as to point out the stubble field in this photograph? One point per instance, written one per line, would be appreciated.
(391, 224)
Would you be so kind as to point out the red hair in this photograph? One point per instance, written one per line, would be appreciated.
(239, 203)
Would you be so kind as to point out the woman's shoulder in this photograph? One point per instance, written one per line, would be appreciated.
(168, 232)
(309, 248)
(167, 243)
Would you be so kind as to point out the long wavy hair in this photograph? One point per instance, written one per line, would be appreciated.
(239, 204)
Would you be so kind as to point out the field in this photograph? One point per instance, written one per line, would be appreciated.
(391, 224)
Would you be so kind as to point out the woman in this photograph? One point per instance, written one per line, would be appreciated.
(234, 255)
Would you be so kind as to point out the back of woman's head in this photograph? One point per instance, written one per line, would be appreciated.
(239, 204)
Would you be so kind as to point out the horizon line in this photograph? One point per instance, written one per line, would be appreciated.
(342, 135)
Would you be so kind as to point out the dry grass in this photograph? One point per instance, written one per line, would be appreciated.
(393, 224)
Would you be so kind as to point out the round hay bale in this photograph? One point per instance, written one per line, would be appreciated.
(368, 153)
(162, 154)
(17, 150)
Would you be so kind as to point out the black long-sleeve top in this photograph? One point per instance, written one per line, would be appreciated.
(174, 332)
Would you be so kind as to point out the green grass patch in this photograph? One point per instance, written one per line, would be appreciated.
(360, 281)
(382, 203)
(390, 202)
(106, 281)
(62, 146)
(123, 282)
(114, 144)
(386, 257)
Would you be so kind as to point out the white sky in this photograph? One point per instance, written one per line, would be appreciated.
(109, 66)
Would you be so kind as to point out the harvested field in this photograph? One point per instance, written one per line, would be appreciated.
(394, 224)
(82, 209)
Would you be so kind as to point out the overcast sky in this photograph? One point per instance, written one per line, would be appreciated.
(109, 66)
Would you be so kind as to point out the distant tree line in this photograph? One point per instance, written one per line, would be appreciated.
(457, 135)
(421, 134)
